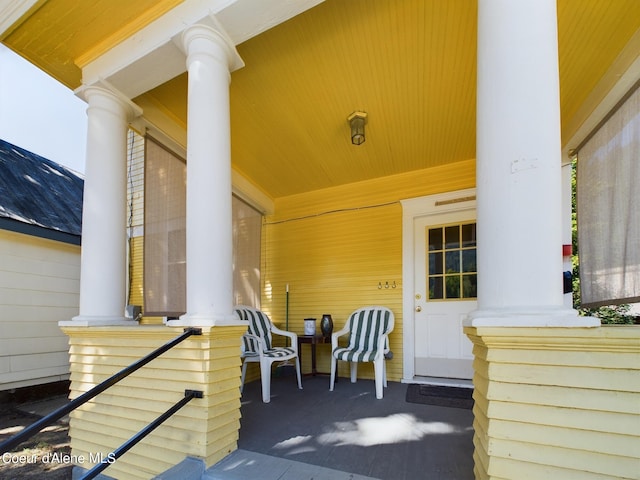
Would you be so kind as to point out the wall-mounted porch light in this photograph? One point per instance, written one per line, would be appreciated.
(357, 121)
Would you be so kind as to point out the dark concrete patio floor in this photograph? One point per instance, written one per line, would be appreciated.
(350, 431)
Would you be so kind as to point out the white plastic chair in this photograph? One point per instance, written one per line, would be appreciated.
(368, 330)
(257, 346)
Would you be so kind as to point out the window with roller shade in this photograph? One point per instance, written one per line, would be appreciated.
(165, 238)
(164, 231)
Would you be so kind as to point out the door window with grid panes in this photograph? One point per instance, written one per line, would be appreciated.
(451, 262)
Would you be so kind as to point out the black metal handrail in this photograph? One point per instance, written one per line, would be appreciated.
(129, 444)
(57, 414)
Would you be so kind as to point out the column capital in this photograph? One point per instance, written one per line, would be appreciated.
(109, 98)
(201, 39)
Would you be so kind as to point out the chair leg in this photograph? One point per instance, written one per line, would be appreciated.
(354, 372)
(298, 373)
(334, 362)
(378, 367)
(384, 372)
(244, 373)
(265, 376)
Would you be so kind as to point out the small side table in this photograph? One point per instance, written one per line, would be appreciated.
(312, 340)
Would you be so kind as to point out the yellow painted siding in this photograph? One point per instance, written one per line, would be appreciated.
(557, 403)
(136, 255)
(393, 188)
(39, 286)
(319, 262)
(206, 428)
(334, 247)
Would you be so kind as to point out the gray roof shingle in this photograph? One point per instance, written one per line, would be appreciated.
(38, 192)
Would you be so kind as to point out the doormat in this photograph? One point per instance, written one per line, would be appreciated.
(457, 397)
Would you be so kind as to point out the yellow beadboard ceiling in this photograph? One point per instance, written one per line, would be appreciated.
(60, 36)
(410, 64)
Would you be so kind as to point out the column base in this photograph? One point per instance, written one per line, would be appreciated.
(529, 317)
(205, 320)
(206, 428)
(97, 321)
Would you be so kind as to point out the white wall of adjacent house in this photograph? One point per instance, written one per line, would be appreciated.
(39, 286)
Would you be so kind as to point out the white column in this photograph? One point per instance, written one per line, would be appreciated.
(103, 257)
(209, 225)
(519, 193)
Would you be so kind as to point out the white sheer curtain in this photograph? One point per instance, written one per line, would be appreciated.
(608, 209)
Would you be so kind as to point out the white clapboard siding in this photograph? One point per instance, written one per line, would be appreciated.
(39, 286)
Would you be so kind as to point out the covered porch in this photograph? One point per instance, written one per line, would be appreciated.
(473, 108)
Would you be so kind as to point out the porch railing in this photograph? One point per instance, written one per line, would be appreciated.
(122, 449)
(57, 414)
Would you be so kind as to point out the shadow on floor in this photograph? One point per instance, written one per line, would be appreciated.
(350, 431)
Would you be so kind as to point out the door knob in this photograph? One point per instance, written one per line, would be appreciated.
(418, 308)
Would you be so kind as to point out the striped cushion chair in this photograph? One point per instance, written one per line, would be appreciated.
(368, 330)
(257, 346)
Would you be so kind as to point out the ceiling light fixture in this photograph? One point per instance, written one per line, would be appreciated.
(357, 121)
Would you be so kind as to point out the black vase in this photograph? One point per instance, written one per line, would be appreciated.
(326, 325)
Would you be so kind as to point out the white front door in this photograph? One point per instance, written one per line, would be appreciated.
(445, 290)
